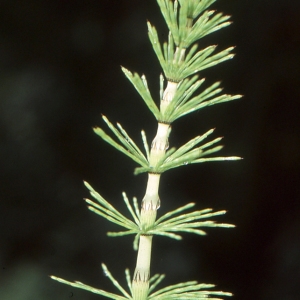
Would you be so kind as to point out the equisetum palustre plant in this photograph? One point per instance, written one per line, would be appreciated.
(187, 21)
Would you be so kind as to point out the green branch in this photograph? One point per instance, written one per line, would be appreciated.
(190, 290)
(168, 225)
(175, 67)
(173, 158)
(180, 21)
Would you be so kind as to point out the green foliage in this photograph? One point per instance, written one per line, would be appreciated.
(186, 154)
(183, 102)
(168, 225)
(140, 84)
(126, 145)
(173, 63)
(180, 59)
(190, 290)
(177, 20)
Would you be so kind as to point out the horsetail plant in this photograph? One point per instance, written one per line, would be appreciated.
(179, 57)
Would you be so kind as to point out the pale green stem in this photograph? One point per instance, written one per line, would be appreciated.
(151, 201)
(140, 284)
(168, 95)
(171, 88)
(160, 144)
(181, 54)
(150, 204)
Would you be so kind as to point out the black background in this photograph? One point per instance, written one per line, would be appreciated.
(60, 69)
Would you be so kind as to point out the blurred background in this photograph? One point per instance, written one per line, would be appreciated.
(60, 69)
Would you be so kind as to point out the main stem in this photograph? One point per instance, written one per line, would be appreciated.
(151, 202)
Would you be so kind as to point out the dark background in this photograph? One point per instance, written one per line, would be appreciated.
(60, 69)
